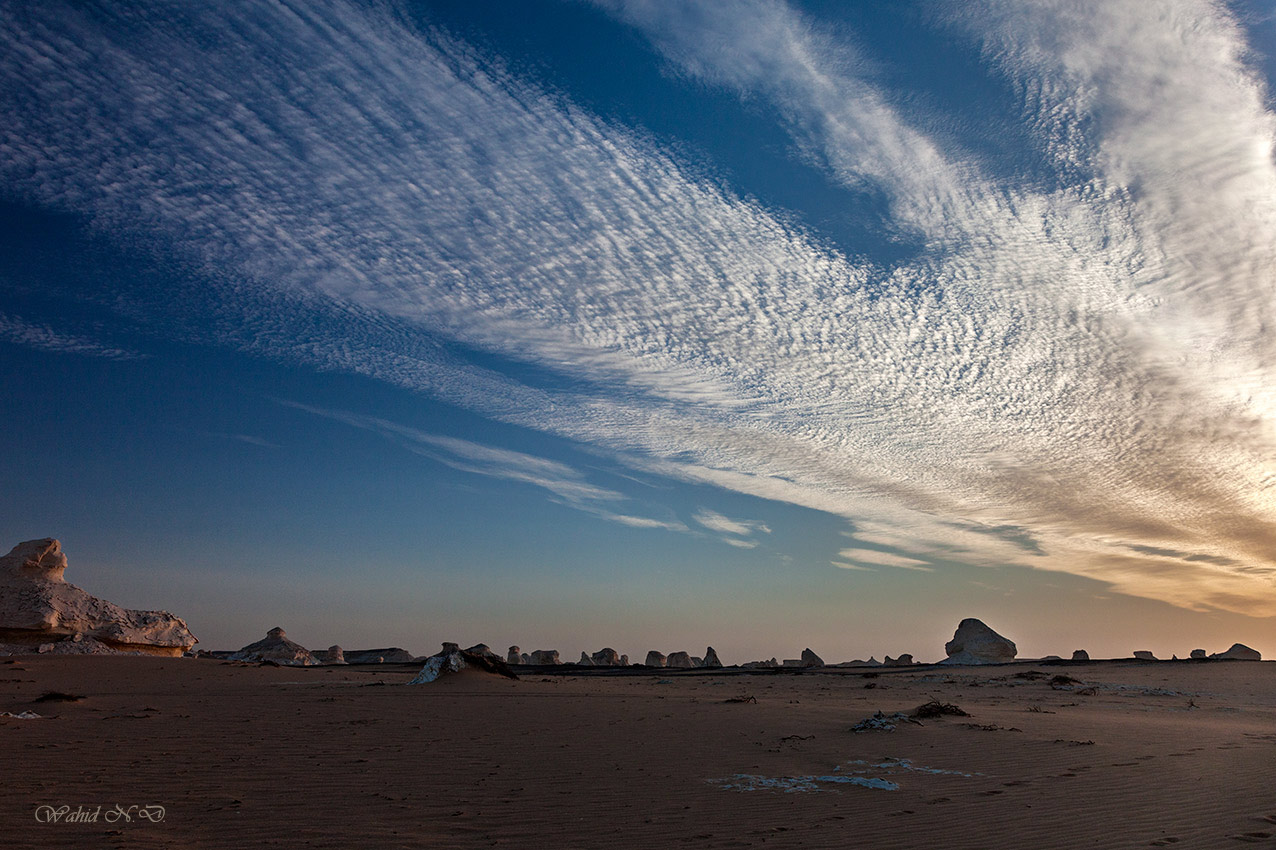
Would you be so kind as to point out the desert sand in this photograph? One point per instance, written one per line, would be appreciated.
(242, 755)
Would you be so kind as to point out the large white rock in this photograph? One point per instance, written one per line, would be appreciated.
(810, 659)
(544, 656)
(38, 606)
(1239, 652)
(655, 659)
(605, 657)
(975, 643)
(585, 660)
(711, 658)
(276, 647)
(514, 656)
(1080, 655)
(678, 659)
(452, 660)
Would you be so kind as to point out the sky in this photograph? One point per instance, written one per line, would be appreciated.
(648, 325)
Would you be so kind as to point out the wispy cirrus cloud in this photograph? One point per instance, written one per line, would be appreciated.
(20, 331)
(1083, 364)
(567, 484)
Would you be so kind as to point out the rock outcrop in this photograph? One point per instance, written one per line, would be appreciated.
(1239, 652)
(483, 649)
(544, 656)
(331, 655)
(711, 658)
(624, 661)
(277, 648)
(655, 659)
(585, 660)
(1144, 655)
(38, 607)
(976, 643)
(810, 659)
(678, 659)
(452, 660)
(605, 657)
(1199, 653)
(1080, 655)
(904, 660)
(514, 656)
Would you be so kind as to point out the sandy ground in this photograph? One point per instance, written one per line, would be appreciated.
(1135, 755)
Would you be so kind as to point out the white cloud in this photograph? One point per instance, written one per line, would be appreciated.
(20, 331)
(843, 565)
(1086, 366)
(883, 559)
(715, 521)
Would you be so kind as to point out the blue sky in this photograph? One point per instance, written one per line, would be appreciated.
(645, 324)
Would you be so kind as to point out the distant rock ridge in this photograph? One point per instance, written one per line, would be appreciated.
(760, 665)
(1239, 652)
(41, 611)
(277, 648)
(386, 655)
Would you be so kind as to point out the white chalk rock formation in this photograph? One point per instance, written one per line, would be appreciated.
(525, 659)
(760, 665)
(904, 660)
(585, 660)
(452, 660)
(38, 606)
(1239, 652)
(711, 658)
(1198, 653)
(810, 659)
(975, 643)
(678, 659)
(514, 656)
(276, 647)
(1080, 655)
(544, 656)
(331, 655)
(605, 657)
(1144, 655)
(484, 650)
(655, 659)
(624, 661)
